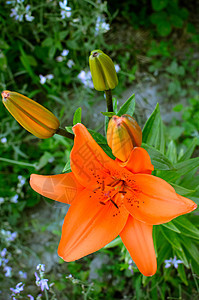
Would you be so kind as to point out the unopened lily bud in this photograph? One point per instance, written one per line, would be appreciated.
(103, 71)
(32, 116)
(123, 135)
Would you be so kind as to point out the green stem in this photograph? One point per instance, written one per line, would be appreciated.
(46, 294)
(18, 162)
(109, 101)
(65, 133)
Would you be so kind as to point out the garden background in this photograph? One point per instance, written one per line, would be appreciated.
(44, 50)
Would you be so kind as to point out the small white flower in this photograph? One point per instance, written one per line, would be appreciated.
(59, 58)
(172, 261)
(51, 159)
(117, 68)
(65, 10)
(4, 140)
(65, 52)
(86, 78)
(8, 271)
(1, 200)
(49, 76)
(3, 252)
(14, 199)
(23, 274)
(70, 63)
(29, 18)
(101, 25)
(18, 289)
(42, 79)
(41, 267)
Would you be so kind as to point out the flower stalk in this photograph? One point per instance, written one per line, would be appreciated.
(62, 132)
(109, 100)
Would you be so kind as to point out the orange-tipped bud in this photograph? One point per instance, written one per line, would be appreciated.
(123, 135)
(32, 116)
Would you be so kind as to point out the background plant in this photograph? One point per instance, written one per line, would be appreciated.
(44, 50)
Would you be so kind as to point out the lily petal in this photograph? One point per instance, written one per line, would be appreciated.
(137, 237)
(62, 187)
(88, 161)
(138, 162)
(89, 225)
(154, 201)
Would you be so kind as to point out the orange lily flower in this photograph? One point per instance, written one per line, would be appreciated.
(110, 198)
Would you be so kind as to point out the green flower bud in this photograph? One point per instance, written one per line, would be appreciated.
(103, 71)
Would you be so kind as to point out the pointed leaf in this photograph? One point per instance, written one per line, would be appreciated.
(181, 190)
(108, 114)
(191, 248)
(186, 227)
(182, 168)
(171, 226)
(159, 161)
(189, 151)
(153, 132)
(172, 152)
(172, 238)
(128, 107)
(77, 116)
(182, 273)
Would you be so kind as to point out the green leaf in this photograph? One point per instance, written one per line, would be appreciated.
(63, 34)
(128, 107)
(164, 28)
(69, 129)
(189, 151)
(159, 161)
(44, 160)
(98, 137)
(191, 248)
(26, 63)
(186, 227)
(153, 131)
(172, 152)
(171, 237)
(67, 168)
(3, 61)
(171, 226)
(182, 168)
(182, 256)
(108, 114)
(182, 274)
(51, 51)
(4, 45)
(181, 190)
(114, 243)
(178, 107)
(77, 116)
(115, 105)
(159, 4)
(48, 42)
(176, 21)
(175, 132)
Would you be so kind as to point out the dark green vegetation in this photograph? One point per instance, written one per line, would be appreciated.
(154, 42)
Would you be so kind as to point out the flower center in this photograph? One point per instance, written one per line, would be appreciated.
(111, 191)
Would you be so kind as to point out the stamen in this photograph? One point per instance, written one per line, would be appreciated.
(102, 203)
(103, 185)
(114, 204)
(96, 189)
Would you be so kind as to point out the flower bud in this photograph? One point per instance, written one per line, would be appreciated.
(103, 71)
(32, 116)
(123, 135)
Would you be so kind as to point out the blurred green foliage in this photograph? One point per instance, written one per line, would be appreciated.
(29, 49)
